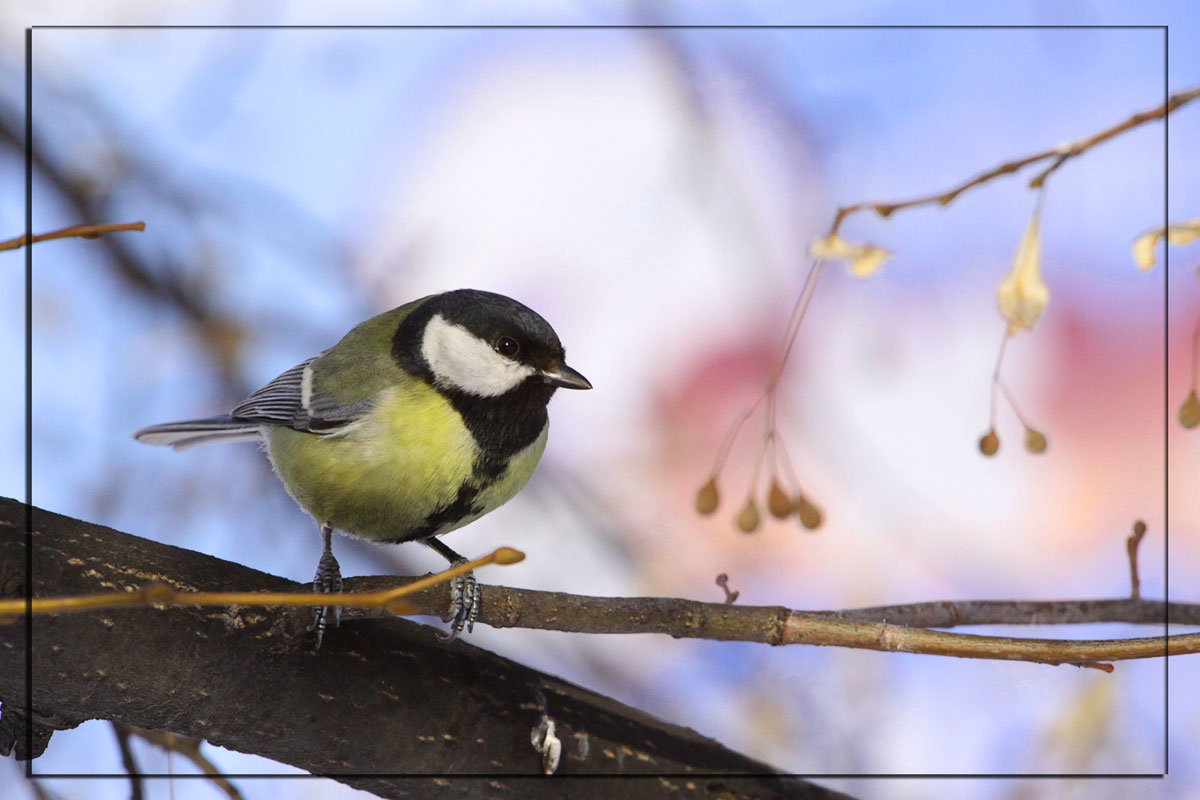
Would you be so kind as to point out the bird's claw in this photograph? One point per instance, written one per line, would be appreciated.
(465, 599)
(328, 580)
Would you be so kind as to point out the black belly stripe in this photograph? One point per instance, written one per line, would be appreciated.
(461, 506)
(486, 471)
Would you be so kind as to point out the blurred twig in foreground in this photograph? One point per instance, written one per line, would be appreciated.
(82, 231)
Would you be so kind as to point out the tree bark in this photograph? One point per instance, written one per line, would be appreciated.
(382, 706)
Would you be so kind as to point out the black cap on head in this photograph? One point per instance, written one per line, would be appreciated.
(493, 317)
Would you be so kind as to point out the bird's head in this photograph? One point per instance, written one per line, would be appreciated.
(488, 345)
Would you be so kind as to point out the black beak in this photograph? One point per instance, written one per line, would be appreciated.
(566, 378)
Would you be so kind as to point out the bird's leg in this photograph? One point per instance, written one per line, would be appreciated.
(465, 595)
(328, 580)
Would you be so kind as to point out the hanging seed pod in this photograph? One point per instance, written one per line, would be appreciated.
(989, 443)
(810, 516)
(1035, 441)
(747, 518)
(1189, 412)
(707, 498)
(777, 501)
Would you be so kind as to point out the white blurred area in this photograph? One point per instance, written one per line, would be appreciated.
(651, 194)
(579, 177)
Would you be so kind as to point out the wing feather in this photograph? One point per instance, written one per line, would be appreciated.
(290, 400)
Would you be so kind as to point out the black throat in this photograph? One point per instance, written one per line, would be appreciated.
(503, 425)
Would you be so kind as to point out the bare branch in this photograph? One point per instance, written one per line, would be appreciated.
(1060, 154)
(884, 629)
(887, 628)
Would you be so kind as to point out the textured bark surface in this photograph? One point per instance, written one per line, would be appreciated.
(381, 698)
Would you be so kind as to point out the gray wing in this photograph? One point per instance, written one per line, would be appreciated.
(290, 400)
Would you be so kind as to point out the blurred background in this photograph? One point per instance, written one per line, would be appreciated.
(651, 193)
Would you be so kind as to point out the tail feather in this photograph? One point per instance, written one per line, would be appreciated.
(181, 435)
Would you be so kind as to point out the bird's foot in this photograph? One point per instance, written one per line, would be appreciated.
(465, 599)
(328, 580)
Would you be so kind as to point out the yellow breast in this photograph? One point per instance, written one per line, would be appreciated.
(381, 477)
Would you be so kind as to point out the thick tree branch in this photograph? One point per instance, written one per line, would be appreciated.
(382, 697)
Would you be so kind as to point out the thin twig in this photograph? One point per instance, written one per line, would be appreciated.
(1088, 142)
(731, 436)
(1060, 154)
(82, 231)
(794, 320)
(900, 627)
(768, 392)
(996, 377)
(1012, 402)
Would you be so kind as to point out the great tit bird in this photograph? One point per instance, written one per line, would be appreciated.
(419, 421)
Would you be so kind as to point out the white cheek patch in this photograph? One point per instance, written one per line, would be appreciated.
(461, 361)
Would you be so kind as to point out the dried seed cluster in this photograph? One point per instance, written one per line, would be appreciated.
(780, 505)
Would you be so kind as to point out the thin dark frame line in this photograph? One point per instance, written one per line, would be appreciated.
(29, 401)
(581, 26)
(1137, 776)
(29, 559)
(1166, 402)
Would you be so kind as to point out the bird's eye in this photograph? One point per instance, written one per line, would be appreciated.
(507, 346)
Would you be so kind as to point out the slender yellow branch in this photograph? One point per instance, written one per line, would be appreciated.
(82, 231)
(160, 594)
(895, 638)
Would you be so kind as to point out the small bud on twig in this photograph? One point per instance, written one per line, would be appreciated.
(723, 582)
